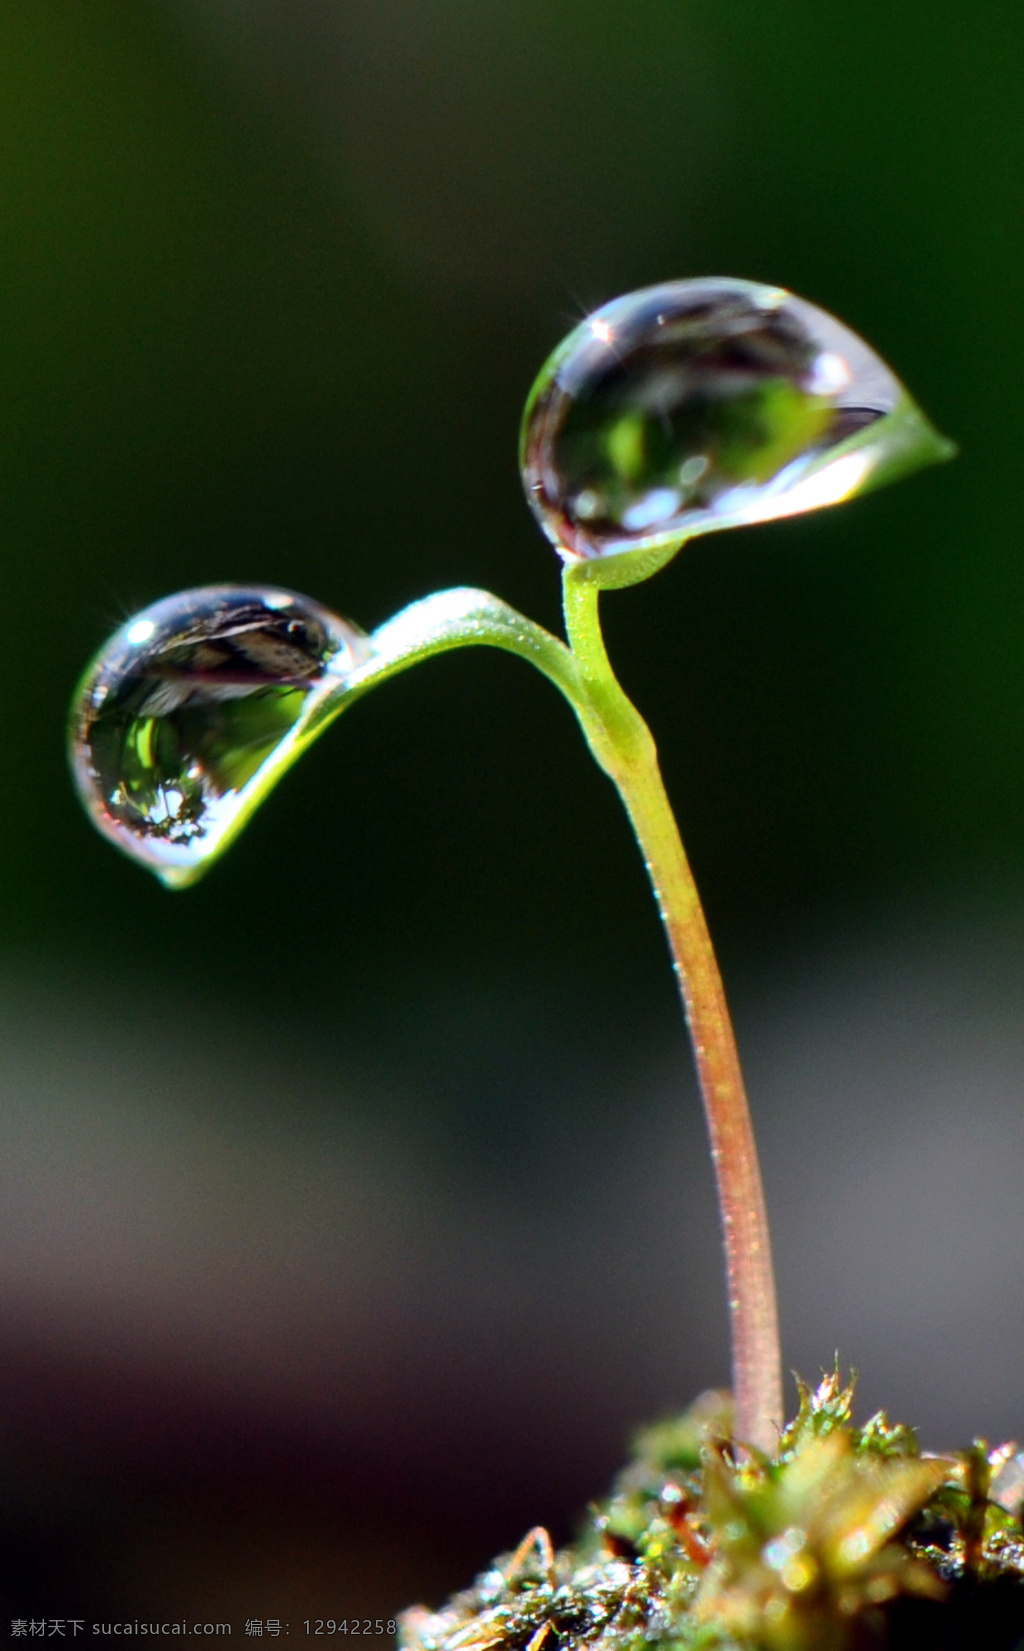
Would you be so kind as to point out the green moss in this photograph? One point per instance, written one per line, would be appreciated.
(847, 1537)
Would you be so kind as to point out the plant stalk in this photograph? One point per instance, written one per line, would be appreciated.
(625, 749)
(622, 744)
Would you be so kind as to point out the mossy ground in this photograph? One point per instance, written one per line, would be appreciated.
(848, 1537)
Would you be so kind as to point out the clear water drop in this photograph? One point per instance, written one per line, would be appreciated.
(184, 719)
(699, 405)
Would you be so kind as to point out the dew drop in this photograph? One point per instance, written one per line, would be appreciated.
(699, 405)
(192, 708)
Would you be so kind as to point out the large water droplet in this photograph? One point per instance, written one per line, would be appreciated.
(185, 718)
(699, 405)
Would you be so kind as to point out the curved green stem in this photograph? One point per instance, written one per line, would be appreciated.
(462, 617)
(622, 744)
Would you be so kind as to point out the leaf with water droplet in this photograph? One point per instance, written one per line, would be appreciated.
(699, 405)
(194, 708)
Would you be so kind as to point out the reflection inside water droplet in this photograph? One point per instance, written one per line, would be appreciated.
(699, 405)
(179, 720)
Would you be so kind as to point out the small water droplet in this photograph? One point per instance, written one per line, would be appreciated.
(179, 720)
(699, 405)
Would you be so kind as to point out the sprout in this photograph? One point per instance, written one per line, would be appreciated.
(678, 410)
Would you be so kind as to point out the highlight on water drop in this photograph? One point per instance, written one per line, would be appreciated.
(189, 712)
(699, 405)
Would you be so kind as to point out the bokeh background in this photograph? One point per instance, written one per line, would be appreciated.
(354, 1205)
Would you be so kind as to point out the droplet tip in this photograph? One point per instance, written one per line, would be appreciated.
(177, 878)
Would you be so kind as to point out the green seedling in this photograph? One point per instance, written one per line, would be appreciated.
(682, 409)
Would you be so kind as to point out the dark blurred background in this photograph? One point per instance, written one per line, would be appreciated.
(355, 1203)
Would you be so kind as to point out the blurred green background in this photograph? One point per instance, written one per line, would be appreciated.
(343, 1225)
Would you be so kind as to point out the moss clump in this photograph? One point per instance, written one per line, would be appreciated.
(848, 1537)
